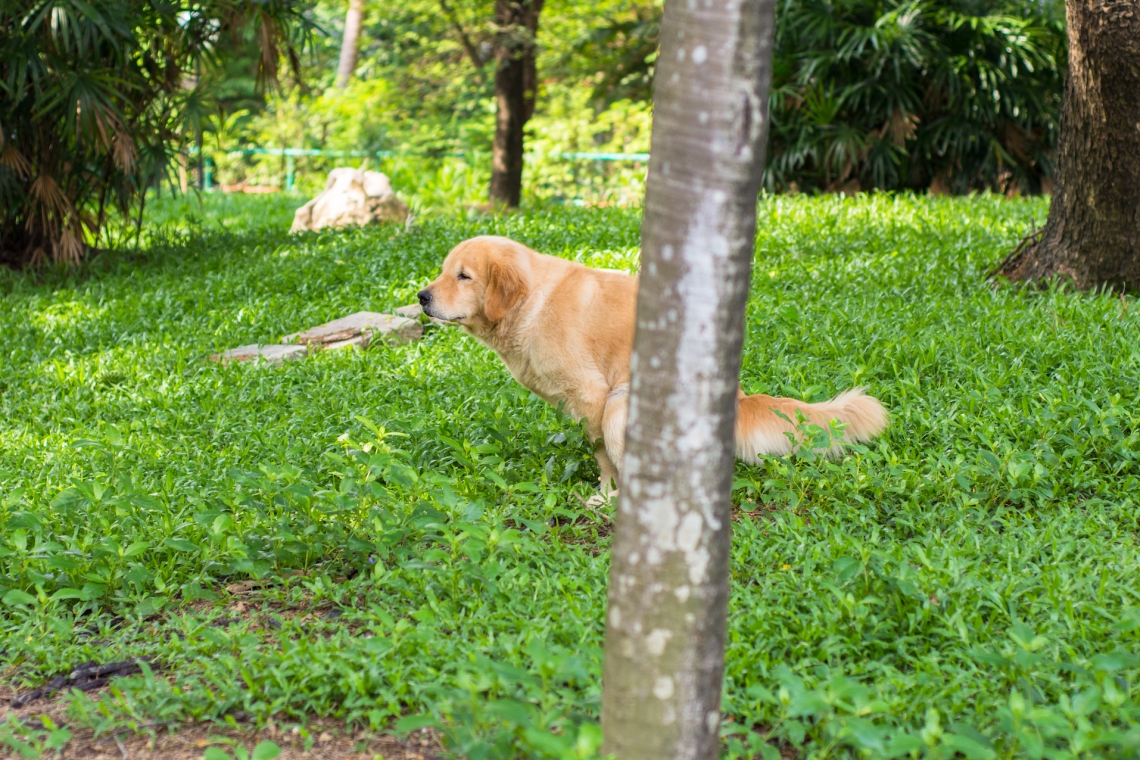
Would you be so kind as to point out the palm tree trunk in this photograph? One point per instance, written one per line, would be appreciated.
(669, 583)
(515, 82)
(1092, 235)
(350, 43)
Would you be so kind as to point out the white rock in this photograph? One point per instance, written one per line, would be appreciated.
(360, 341)
(376, 184)
(351, 196)
(273, 353)
(361, 328)
(415, 311)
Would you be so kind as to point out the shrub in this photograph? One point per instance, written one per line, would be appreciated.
(956, 95)
(96, 97)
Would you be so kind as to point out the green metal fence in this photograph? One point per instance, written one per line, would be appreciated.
(291, 154)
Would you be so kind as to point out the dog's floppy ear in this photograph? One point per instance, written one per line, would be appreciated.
(505, 287)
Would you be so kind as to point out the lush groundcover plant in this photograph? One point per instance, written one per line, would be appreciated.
(965, 587)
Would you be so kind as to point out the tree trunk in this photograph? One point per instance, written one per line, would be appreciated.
(351, 42)
(668, 593)
(1092, 235)
(516, 23)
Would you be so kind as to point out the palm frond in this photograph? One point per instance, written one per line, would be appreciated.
(92, 105)
(965, 90)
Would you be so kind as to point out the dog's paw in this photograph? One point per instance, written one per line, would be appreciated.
(601, 499)
(600, 506)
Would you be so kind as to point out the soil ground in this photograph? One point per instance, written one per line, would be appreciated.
(325, 740)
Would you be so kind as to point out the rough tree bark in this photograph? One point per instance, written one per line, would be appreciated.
(516, 24)
(350, 45)
(668, 594)
(1092, 235)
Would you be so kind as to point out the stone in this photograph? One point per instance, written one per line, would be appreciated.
(360, 341)
(415, 311)
(273, 353)
(358, 330)
(351, 197)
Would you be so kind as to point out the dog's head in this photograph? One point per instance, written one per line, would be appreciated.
(482, 280)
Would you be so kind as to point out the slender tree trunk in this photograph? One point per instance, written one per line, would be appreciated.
(1092, 235)
(465, 39)
(516, 23)
(668, 591)
(351, 42)
(201, 161)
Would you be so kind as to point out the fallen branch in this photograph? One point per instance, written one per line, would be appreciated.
(1032, 238)
(85, 677)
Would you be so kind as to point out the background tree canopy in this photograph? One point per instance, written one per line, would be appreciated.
(956, 94)
(950, 95)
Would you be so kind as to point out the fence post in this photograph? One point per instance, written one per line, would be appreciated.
(183, 174)
(289, 171)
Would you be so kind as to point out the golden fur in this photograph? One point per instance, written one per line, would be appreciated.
(565, 333)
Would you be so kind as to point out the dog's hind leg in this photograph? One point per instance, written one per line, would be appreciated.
(595, 431)
(613, 434)
(608, 472)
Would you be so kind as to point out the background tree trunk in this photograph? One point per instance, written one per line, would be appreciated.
(350, 45)
(516, 23)
(1092, 235)
(668, 591)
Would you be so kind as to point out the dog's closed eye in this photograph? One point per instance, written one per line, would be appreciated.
(462, 276)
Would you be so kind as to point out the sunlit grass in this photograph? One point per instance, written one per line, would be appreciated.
(970, 575)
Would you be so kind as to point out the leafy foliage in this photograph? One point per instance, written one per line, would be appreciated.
(952, 95)
(966, 585)
(419, 92)
(958, 95)
(618, 52)
(955, 95)
(95, 99)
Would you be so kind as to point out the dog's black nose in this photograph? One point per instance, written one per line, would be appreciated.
(424, 296)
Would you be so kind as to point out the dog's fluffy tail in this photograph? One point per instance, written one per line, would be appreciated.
(760, 428)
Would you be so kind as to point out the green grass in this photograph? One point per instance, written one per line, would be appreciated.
(967, 584)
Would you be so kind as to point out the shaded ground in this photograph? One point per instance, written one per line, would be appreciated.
(323, 738)
(326, 739)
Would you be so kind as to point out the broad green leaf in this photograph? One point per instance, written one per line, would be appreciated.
(968, 747)
(265, 750)
(136, 548)
(67, 593)
(411, 723)
(17, 597)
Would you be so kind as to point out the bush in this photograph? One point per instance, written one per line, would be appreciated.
(96, 97)
(955, 95)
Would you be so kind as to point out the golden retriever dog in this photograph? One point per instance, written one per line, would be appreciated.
(565, 332)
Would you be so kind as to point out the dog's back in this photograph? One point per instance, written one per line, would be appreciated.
(581, 318)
